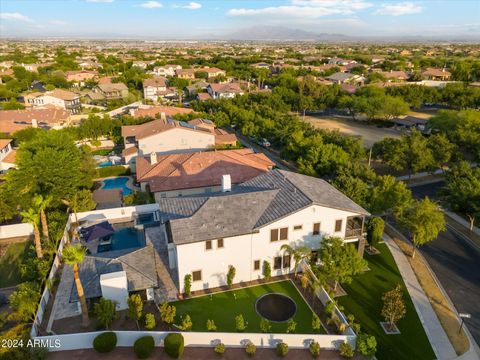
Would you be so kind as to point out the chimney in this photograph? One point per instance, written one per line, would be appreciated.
(153, 158)
(226, 183)
(132, 112)
(34, 123)
(163, 116)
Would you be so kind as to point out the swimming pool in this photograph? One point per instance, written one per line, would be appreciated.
(105, 164)
(124, 239)
(117, 183)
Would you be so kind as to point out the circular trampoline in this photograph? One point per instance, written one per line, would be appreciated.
(276, 307)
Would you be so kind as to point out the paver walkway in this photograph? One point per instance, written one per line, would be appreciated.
(438, 338)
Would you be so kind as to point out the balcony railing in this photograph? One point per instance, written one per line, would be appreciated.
(353, 233)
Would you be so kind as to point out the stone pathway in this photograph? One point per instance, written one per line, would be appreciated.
(167, 281)
(438, 338)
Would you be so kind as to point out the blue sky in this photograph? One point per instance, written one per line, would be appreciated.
(181, 19)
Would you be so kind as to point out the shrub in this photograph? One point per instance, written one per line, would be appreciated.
(219, 349)
(105, 342)
(144, 346)
(167, 313)
(186, 323)
(250, 349)
(150, 322)
(314, 349)
(346, 350)
(291, 326)
(366, 344)
(174, 345)
(211, 325)
(316, 323)
(135, 307)
(230, 275)
(266, 270)
(375, 230)
(187, 287)
(329, 307)
(105, 311)
(115, 170)
(265, 325)
(240, 323)
(282, 349)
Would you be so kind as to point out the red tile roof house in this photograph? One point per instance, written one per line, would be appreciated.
(59, 98)
(156, 88)
(186, 174)
(436, 74)
(213, 72)
(79, 77)
(227, 90)
(169, 136)
(47, 117)
(7, 154)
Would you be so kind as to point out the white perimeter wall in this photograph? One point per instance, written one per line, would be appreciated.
(15, 230)
(199, 339)
(176, 140)
(242, 251)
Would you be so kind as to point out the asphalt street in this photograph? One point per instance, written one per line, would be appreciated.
(456, 263)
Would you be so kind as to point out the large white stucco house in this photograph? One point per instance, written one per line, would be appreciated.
(249, 225)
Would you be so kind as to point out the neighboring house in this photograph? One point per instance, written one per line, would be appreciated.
(436, 74)
(78, 78)
(166, 70)
(188, 74)
(346, 78)
(340, 61)
(226, 90)
(394, 75)
(261, 65)
(7, 154)
(113, 91)
(140, 64)
(156, 88)
(198, 172)
(47, 118)
(194, 89)
(60, 98)
(203, 96)
(156, 111)
(213, 72)
(248, 226)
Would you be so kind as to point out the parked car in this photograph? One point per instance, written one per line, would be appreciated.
(263, 142)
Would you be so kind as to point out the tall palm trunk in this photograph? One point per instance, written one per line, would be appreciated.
(38, 243)
(81, 296)
(43, 217)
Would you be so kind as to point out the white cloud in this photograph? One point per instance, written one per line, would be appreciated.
(57, 22)
(305, 9)
(15, 16)
(193, 6)
(100, 1)
(399, 9)
(151, 5)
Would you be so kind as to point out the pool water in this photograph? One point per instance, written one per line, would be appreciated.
(124, 239)
(105, 164)
(117, 183)
(147, 218)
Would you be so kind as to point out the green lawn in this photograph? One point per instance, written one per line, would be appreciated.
(223, 307)
(364, 300)
(10, 262)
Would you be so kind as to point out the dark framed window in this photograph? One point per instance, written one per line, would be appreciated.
(220, 243)
(256, 265)
(298, 227)
(208, 245)
(197, 275)
(314, 256)
(277, 262)
(284, 233)
(286, 261)
(338, 225)
(316, 229)
(274, 235)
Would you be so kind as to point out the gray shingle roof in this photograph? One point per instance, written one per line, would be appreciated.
(139, 264)
(251, 205)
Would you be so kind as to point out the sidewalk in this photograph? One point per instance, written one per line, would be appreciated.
(438, 339)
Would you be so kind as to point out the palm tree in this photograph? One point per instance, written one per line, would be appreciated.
(74, 255)
(32, 217)
(299, 254)
(41, 204)
(316, 286)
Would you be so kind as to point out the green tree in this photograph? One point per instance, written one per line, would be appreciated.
(105, 311)
(167, 313)
(389, 196)
(392, 107)
(340, 261)
(462, 191)
(135, 308)
(424, 220)
(299, 254)
(442, 149)
(41, 203)
(150, 321)
(74, 255)
(186, 324)
(80, 201)
(375, 228)
(240, 325)
(291, 326)
(187, 284)
(265, 326)
(230, 275)
(316, 323)
(366, 344)
(394, 307)
(24, 301)
(266, 270)
(32, 217)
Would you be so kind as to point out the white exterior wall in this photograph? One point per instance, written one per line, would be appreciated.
(176, 140)
(5, 151)
(242, 251)
(150, 92)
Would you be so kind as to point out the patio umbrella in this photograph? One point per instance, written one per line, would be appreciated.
(97, 231)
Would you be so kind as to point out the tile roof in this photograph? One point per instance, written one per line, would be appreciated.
(14, 120)
(157, 81)
(4, 142)
(11, 157)
(252, 205)
(156, 127)
(200, 169)
(226, 88)
(62, 94)
(436, 72)
(112, 87)
(156, 110)
(139, 264)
